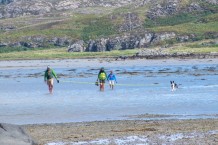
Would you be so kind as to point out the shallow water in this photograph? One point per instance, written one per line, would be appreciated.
(140, 90)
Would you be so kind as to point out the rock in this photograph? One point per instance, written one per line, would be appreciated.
(194, 7)
(59, 41)
(113, 44)
(164, 9)
(163, 36)
(212, 1)
(3, 44)
(7, 28)
(131, 21)
(16, 8)
(14, 135)
(3, 2)
(67, 5)
(77, 47)
(173, 7)
(21, 8)
(97, 45)
(128, 41)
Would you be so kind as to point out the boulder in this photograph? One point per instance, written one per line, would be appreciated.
(97, 45)
(76, 47)
(3, 44)
(14, 135)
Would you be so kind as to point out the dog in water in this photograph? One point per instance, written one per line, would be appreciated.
(174, 86)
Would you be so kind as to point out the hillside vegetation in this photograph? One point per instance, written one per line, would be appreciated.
(94, 25)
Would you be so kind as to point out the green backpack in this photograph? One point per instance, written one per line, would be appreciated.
(102, 76)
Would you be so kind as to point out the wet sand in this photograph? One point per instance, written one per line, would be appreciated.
(201, 131)
(106, 62)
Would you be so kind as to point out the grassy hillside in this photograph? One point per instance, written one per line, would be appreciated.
(96, 22)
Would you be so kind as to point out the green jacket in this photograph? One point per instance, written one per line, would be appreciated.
(49, 74)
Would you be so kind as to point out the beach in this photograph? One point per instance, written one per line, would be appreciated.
(200, 131)
(141, 110)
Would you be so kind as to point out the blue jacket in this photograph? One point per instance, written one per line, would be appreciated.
(111, 77)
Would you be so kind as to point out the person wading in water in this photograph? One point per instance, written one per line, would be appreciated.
(111, 78)
(48, 77)
(102, 76)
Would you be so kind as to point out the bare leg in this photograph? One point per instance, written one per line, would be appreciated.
(51, 89)
(101, 85)
(50, 86)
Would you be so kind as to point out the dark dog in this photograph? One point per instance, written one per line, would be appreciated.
(173, 85)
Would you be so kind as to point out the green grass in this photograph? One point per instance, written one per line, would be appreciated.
(184, 49)
(205, 46)
(190, 28)
(98, 28)
(175, 19)
(61, 53)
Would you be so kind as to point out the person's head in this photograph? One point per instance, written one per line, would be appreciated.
(102, 69)
(111, 72)
(48, 68)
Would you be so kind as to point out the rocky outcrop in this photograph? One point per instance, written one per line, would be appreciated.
(212, 1)
(128, 41)
(173, 7)
(21, 8)
(97, 45)
(38, 41)
(77, 47)
(131, 21)
(14, 135)
(16, 8)
(164, 9)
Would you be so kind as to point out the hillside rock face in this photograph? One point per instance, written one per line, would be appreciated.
(172, 7)
(16, 8)
(129, 41)
(129, 27)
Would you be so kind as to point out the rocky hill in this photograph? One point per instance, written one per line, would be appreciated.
(104, 25)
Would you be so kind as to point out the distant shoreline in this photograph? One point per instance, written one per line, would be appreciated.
(98, 62)
(135, 56)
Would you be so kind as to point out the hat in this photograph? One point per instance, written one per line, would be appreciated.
(48, 67)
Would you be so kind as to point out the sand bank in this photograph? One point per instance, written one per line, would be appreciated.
(107, 62)
(201, 131)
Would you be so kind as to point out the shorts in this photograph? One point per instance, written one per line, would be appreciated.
(50, 82)
(111, 82)
(102, 81)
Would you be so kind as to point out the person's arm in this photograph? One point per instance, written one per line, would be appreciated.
(98, 76)
(115, 78)
(108, 77)
(105, 75)
(45, 76)
(54, 74)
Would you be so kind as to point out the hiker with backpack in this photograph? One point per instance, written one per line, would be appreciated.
(102, 76)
